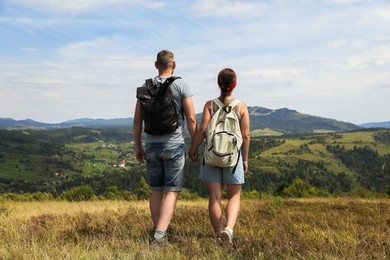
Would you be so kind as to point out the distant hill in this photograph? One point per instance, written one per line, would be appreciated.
(290, 121)
(376, 125)
(99, 123)
(281, 120)
(9, 123)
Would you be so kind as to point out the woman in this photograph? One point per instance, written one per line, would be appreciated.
(216, 177)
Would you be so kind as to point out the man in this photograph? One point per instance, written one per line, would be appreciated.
(165, 154)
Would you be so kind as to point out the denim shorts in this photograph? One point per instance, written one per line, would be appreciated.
(165, 166)
(223, 175)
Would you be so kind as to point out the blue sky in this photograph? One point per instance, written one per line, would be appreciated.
(62, 60)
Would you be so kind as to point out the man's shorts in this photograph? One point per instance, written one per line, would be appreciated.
(223, 175)
(165, 166)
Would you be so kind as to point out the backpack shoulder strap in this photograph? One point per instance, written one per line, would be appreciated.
(149, 83)
(218, 103)
(167, 83)
(170, 80)
(211, 108)
(234, 103)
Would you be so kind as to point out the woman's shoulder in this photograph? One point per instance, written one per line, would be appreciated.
(243, 103)
(210, 102)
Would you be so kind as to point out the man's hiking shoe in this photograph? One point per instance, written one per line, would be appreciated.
(226, 237)
(218, 240)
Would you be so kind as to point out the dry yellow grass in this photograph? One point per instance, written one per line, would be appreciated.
(268, 229)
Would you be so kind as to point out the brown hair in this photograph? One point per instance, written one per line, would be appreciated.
(165, 58)
(227, 79)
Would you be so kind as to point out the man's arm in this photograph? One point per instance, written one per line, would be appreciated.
(137, 126)
(201, 133)
(189, 110)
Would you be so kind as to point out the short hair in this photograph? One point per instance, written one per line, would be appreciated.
(165, 58)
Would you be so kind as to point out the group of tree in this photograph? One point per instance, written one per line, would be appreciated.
(302, 178)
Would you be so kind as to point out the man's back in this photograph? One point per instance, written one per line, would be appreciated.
(180, 92)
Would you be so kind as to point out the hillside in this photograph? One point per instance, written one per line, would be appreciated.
(280, 121)
(56, 160)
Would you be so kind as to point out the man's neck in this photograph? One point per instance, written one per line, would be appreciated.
(165, 73)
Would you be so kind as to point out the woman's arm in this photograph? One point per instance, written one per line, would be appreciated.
(245, 132)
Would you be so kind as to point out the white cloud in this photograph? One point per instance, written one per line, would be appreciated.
(155, 5)
(321, 59)
(375, 58)
(345, 43)
(77, 6)
(378, 16)
(347, 1)
(226, 9)
(29, 49)
(90, 76)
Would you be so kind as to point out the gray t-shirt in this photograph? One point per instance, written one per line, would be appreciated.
(180, 91)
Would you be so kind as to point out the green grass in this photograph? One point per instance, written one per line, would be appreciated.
(87, 158)
(291, 151)
(26, 167)
(289, 145)
(265, 132)
(266, 229)
(360, 139)
(322, 131)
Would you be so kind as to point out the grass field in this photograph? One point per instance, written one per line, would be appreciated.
(267, 229)
(310, 149)
(265, 132)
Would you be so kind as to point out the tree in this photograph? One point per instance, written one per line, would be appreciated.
(112, 193)
(143, 191)
(301, 189)
(79, 193)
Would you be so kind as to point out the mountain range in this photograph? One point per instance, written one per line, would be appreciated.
(281, 120)
(376, 124)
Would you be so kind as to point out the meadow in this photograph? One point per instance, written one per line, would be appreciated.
(275, 228)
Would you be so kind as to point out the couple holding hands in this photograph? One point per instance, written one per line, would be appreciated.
(165, 153)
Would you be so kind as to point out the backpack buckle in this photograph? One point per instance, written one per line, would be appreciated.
(227, 109)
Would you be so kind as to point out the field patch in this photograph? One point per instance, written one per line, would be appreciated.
(265, 132)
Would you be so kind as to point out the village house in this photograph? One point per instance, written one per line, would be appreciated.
(122, 163)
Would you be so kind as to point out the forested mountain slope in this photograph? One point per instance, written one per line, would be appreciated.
(280, 120)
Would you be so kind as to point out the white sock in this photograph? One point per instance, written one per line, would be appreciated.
(229, 230)
(158, 234)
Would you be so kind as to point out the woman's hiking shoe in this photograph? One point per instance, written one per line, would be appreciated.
(218, 240)
(157, 242)
(226, 237)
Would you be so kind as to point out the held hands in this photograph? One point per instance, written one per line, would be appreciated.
(193, 154)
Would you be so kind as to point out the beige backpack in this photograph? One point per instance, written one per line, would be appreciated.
(223, 136)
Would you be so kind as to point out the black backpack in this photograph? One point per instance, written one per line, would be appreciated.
(159, 112)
